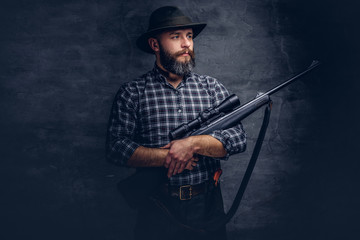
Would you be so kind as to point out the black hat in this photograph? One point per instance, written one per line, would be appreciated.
(167, 18)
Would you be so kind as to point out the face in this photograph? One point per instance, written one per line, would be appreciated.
(175, 51)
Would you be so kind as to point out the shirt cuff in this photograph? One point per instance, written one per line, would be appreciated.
(122, 151)
(219, 136)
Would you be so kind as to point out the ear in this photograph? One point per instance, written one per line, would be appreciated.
(154, 44)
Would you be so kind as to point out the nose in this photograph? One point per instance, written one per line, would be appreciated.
(186, 42)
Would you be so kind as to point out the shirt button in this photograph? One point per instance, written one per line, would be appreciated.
(179, 111)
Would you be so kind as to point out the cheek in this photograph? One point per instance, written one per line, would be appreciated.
(191, 47)
(172, 46)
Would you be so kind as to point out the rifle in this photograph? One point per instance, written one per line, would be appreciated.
(228, 113)
(216, 118)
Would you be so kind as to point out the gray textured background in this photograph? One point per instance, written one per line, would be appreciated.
(62, 62)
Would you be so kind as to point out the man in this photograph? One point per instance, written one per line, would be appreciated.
(147, 109)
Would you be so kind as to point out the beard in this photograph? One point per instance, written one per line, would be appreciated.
(171, 64)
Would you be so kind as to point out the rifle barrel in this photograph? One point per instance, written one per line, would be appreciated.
(313, 65)
(239, 113)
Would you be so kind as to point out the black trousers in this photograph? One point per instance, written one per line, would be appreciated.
(155, 223)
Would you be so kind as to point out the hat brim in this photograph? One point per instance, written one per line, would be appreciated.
(142, 41)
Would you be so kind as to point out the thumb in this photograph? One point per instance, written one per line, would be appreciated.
(166, 146)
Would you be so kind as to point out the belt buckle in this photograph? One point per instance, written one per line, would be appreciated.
(185, 192)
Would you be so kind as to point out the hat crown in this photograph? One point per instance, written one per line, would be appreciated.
(164, 19)
(167, 16)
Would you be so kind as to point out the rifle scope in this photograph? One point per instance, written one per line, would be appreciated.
(225, 106)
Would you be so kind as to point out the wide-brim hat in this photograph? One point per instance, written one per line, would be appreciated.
(167, 18)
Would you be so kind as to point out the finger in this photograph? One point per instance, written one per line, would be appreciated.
(177, 167)
(171, 169)
(166, 146)
(167, 161)
(178, 170)
(181, 168)
(188, 166)
(194, 161)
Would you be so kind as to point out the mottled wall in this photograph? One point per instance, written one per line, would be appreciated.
(62, 62)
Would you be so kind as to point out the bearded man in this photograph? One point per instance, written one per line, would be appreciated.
(146, 109)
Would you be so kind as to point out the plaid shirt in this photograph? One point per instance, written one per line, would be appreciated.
(147, 109)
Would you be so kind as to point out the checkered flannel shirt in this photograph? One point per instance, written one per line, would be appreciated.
(147, 109)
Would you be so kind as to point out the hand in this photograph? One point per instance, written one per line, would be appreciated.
(180, 156)
(176, 167)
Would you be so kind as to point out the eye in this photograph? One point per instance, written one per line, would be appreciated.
(175, 37)
(190, 36)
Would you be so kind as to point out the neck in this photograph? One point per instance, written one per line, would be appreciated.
(172, 78)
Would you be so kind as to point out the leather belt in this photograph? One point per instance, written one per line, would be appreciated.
(186, 192)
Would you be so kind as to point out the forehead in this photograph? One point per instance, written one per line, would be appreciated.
(177, 31)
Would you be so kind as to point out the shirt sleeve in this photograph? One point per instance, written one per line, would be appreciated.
(234, 138)
(121, 127)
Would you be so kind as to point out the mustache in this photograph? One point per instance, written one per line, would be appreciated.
(190, 52)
